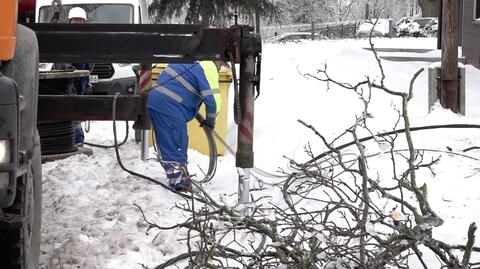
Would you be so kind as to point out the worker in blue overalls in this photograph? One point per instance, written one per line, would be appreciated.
(77, 15)
(180, 90)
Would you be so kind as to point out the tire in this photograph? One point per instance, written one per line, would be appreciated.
(33, 208)
(20, 247)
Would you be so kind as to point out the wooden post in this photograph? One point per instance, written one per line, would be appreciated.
(313, 30)
(449, 77)
(257, 21)
(440, 28)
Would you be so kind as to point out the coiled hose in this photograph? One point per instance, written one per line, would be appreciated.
(112, 146)
(212, 165)
(208, 177)
(212, 146)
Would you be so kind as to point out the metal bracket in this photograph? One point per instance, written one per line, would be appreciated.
(132, 43)
(93, 107)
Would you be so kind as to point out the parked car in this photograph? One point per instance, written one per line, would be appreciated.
(424, 21)
(431, 28)
(106, 78)
(382, 28)
(293, 37)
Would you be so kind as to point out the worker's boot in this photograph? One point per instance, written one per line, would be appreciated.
(182, 184)
(179, 179)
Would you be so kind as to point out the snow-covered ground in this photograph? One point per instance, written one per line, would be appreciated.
(89, 217)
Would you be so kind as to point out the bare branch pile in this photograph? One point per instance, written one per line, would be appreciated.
(336, 210)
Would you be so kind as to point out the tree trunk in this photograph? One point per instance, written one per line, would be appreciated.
(367, 11)
(313, 30)
(449, 87)
(257, 21)
(430, 8)
(205, 13)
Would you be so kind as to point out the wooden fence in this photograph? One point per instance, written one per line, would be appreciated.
(329, 30)
(334, 31)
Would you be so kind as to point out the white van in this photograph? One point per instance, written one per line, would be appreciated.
(107, 78)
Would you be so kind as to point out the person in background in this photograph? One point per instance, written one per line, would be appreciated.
(180, 90)
(82, 85)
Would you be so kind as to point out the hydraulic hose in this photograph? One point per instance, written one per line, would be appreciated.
(232, 151)
(212, 165)
(237, 113)
(413, 129)
(212, 146)
(133, 173)
(112, 146)
(206, 199)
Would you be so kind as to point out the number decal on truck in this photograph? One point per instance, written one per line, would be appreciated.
(93, 79)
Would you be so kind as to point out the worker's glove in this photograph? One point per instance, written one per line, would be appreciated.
(210, 123)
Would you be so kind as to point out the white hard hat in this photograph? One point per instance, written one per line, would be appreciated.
(77, 12)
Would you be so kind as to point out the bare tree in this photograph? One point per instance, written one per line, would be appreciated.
(303, 11)
(394, 9)
(341, 10)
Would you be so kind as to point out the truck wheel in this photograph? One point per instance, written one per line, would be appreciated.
(20, 245)
(32, 207)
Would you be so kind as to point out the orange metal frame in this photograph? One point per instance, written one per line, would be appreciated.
(8, 27)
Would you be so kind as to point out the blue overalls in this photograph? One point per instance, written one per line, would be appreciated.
(181, 89)
(82, 85)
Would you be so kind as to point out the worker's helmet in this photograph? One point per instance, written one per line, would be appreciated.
(77, 12)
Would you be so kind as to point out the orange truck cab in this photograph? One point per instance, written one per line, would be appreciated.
(8, 25)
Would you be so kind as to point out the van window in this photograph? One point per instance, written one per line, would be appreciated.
(96, 13)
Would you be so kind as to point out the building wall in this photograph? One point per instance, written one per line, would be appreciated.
(471, 33)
